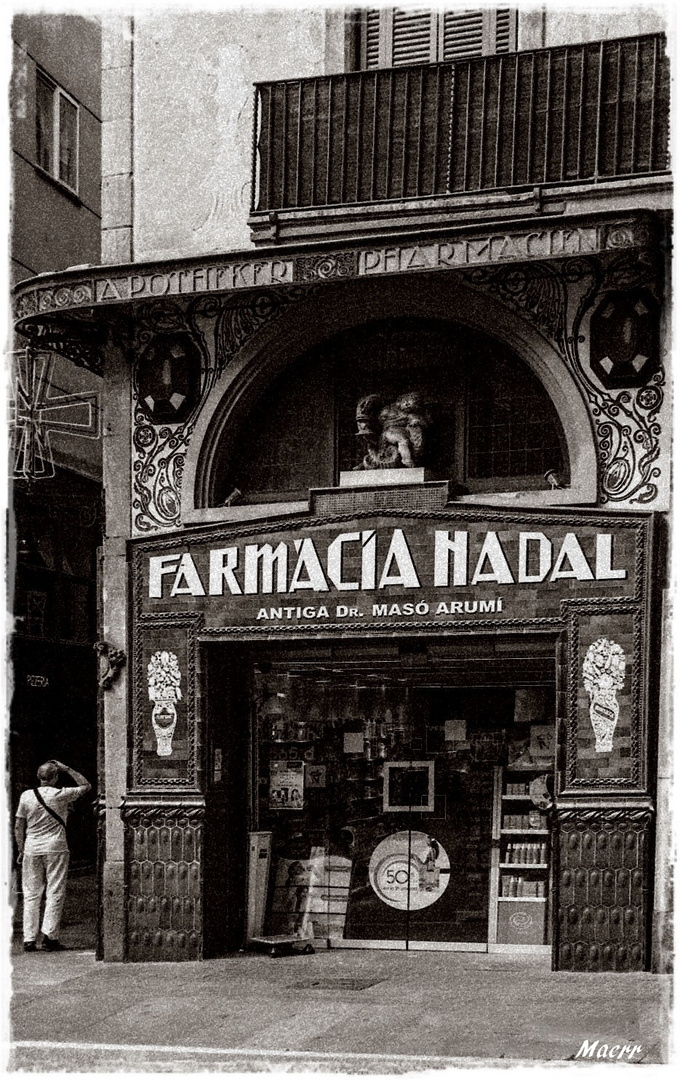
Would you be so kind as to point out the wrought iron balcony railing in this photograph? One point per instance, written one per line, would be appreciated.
(577, 113)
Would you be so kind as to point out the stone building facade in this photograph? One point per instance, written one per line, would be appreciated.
(382, 322)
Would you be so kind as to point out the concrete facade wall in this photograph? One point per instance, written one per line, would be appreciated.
(178, 110)
(193, 116)
(568, 25)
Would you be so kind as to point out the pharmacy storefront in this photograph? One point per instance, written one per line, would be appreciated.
(423, 728)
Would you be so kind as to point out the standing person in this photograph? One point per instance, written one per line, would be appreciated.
(40, 833)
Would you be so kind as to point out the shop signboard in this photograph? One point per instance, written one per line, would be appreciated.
(374, 572)
(584, 575)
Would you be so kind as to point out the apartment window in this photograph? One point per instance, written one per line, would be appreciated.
(392, 37)
(56, 116)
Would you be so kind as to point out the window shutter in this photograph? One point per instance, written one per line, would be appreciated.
(463, 34)
(398, 36)
(504, 31)
(372, 38)
(412, 33)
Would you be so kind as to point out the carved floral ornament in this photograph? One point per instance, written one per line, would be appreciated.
(555, 278)
(208, 331)
(560, 298)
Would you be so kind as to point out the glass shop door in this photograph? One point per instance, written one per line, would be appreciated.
(377, 792)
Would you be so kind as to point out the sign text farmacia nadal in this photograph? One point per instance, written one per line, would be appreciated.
(384, 562)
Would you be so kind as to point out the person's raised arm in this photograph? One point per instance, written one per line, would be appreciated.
(78, 777)
(20, 833)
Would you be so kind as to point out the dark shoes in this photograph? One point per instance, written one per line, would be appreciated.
(51, 944)
(29, 946)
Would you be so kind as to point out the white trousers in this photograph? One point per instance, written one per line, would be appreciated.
(44, 874)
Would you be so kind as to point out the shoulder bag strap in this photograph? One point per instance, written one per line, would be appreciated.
(50, 811)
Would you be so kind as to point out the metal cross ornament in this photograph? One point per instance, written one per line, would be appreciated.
(36, 413)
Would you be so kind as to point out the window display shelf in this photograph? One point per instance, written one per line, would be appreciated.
(287, 742)
(523, 866)
(523, 899)
(528, 926)
(525, 832)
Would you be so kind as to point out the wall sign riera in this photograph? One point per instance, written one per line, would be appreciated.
(220, 327)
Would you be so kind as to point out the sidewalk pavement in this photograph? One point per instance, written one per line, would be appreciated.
(355, 1012)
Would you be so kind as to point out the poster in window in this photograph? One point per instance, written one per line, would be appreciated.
(286, 785)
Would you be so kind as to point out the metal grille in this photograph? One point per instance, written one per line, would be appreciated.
(575, 113)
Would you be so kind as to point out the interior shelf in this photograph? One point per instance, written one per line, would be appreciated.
(523, 866)
(523, 927)
(522, 899)
(524, 832)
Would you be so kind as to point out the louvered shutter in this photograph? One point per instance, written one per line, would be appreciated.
(412, 37)
(463, 34)
(505, 36)
(372, 38)
(477, 33)
(398, 36)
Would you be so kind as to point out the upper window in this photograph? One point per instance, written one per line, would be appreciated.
(391, 37)
(56, 129)
(492, 427)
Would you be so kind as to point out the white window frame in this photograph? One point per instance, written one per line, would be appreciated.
(58, 93)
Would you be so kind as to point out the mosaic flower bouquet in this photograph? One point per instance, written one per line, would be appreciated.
(164, 676)
(604, 671)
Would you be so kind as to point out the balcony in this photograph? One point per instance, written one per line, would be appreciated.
(488, 131)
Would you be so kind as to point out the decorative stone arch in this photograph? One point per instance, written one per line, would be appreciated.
(338, 307)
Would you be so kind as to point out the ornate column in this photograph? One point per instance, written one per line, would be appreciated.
(604, 811)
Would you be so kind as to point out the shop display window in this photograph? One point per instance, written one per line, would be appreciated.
(378, 795)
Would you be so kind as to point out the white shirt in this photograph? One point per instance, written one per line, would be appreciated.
(44, 834)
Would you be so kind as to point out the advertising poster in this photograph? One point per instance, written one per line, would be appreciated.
(286, 785)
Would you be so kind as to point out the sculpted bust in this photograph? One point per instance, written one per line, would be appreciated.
(394, 435)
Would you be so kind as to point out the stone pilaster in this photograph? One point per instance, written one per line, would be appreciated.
(114, 588)
(602, 870)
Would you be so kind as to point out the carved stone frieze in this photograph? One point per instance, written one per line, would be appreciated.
(557, 297)
(341, 264)
(77, 339)
(220, 327)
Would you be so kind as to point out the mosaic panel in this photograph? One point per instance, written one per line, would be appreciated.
(165, 742)
(606, 707)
